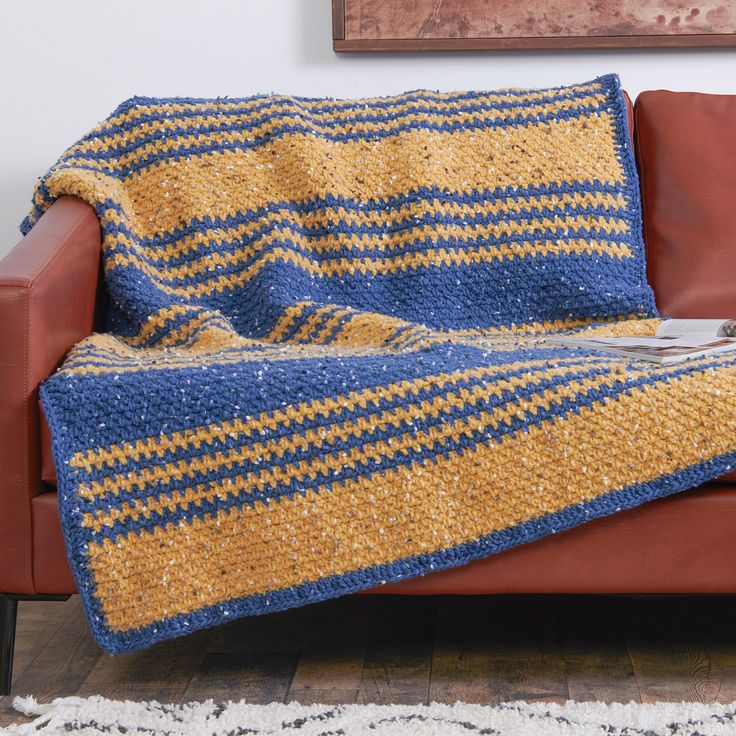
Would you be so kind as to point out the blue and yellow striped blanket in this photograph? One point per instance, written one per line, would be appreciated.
(326, 365)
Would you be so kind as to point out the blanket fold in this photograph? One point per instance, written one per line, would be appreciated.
(325, 366)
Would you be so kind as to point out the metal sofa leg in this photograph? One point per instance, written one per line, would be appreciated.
(8, 614)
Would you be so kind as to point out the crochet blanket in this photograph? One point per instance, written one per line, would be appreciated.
(325, 368)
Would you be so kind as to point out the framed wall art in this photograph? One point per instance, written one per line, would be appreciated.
(472, 25)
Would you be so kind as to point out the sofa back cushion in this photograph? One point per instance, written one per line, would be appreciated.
(687, 165)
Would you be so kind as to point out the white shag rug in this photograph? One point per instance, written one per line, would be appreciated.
(96, 715)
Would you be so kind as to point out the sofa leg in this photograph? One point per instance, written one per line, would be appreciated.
(8, 614)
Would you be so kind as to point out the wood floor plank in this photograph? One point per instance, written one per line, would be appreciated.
(284, 631)
(496, 649)
(398, 655)
(666, 645)
(597, 663)
(716, 616)
(37, 622)
(160, 673)
(330, 666)
(257, 677)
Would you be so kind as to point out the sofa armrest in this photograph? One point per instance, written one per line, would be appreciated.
(48, 288)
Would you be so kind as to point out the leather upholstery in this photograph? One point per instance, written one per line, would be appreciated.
(687, 162)
(47, 288)
(51, 571)
(629, 552)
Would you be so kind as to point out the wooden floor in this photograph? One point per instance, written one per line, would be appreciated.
(403, 650)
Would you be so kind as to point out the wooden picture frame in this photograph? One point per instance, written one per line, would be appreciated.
(478, 25)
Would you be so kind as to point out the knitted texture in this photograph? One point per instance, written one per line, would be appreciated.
(326, 367)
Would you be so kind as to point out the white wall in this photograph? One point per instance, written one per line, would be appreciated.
(66, 65)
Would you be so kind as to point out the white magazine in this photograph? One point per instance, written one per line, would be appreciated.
(675, 339)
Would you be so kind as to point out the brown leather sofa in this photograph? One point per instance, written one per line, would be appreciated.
(51, 296)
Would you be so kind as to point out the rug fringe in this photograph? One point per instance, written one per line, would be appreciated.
(29, 706)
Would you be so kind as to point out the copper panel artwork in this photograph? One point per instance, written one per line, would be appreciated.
(457, 25)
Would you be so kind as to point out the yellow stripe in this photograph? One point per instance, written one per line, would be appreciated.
(191, 331)
(236, 349)
(377, 340)
(108, 350)
(625, 325)
(158, 319)
(331, 324)
(112, 353)
(454, 500)
(309, 324)
(181, 141)
(210, 355)
(523, 156)
(184, 331)
(402, 338)
(287, 320)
